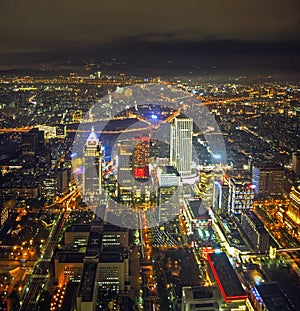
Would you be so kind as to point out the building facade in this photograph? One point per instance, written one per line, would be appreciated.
(296, 162)
(268, 179)
(181, 145)
(292, 219)
(241, 196)
(124, 170)
(92, 168)
(220, 196)
(255, 231)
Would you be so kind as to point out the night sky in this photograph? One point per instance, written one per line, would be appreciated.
(142, 27)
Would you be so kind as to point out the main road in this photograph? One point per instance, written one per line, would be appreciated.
(40, 275)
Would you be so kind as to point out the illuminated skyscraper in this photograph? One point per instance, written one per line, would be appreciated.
(124, 165)
(92, 172)
(181, 145)
(141, 158)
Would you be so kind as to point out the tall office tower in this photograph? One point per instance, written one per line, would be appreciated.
(92, 168)
(296, 162)
(124, 169)
(168, 193)
(181, 145)
(141, 158)
(241, 196)
(267, 179)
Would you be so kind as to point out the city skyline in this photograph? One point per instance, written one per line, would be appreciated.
(150, 231)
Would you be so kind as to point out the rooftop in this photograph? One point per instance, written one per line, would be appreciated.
(169, 170)
(198, 208)
(70, 257)
(269, 166)
(197, 292)
(113, 228)
(117, 255)
(255, 220)
(227, 280)
(79, 228)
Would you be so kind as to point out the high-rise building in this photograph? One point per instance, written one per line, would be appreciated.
(296, 162)
(141, 158)
(181, 145)
(220, 196)
(205, 186)
(168, 203)
(255, 231)
(168, 193)
(241, 196)
(267, 179)
(62, 179)
(92, 168)
(68, 266)
(49, 187)
(124, 169)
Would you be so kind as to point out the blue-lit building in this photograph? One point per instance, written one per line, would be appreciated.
(269, 297)
(220, 196)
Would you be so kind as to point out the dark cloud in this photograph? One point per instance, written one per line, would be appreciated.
(34, 25)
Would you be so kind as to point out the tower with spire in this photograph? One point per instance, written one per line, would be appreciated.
(92, 168)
